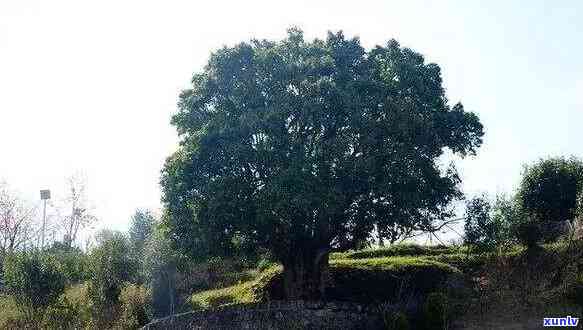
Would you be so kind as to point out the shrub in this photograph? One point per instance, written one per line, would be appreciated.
(73, 263)
(111, 264)
(575, 290)
(33, 278)
(508, 214)
(63, 314)
(381, 279)
(160, 270)
(395, 320)
(135, 306)
(78, 295)
(481, 229)
(529, 233)
(11, 316)
(435, 312)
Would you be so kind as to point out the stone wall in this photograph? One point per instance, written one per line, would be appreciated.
(275, 315)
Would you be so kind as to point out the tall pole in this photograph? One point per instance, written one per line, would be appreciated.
(42, 244)
(44, 195)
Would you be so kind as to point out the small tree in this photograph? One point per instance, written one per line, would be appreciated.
(111, 264)
(75, 213)
(142, 225)
(72, 262)
(548, 194)
(549, 188)
(160, 264)
(17, 226)
(509, 216)
(478, 226)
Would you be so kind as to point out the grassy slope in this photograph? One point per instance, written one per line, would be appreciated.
(365, 273)
(352, 278)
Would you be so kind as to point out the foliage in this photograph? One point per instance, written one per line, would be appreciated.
(508, 215)
(11, 315)
(381, 279)
(239, 294)
(467, 263)
(111, 263)
(364, 280)
(576, 290)
(435, 312)
(160, 264)
(64, 315)
(396, 320)
(135, 301)
(250, 291)
(78, 295)
(397, 250)
(549, 189)
(72, 262)
(142, 225)
(295, 146)
(481, 228)
(33, 278)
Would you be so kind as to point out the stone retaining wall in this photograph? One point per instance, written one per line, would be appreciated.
(275, 315)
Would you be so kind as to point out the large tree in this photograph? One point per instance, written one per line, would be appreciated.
(299, 146)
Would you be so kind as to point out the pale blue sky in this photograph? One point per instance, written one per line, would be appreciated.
(91, 85)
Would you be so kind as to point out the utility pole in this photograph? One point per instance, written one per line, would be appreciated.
(44, 196)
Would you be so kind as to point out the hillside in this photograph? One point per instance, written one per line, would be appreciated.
(485, 289)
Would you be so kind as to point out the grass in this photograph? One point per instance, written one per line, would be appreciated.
(243, 293)
(357, 279)
(399, 250)
(371, 276)
(9, 312)
(395, 264)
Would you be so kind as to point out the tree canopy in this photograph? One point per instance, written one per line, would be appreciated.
(549, 188)
(299, 146)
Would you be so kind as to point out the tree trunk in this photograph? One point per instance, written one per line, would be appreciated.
(305, 275)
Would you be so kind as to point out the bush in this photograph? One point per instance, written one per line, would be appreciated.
(530, 234)
(575, 291)
(382, 279)
(63, 314)
(35, 279)
(435, 312)
(481, 229)
(135, 306)
(111, 264)
(11, 316)
(73, 263)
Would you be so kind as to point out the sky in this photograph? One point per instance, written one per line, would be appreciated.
(90, 86)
